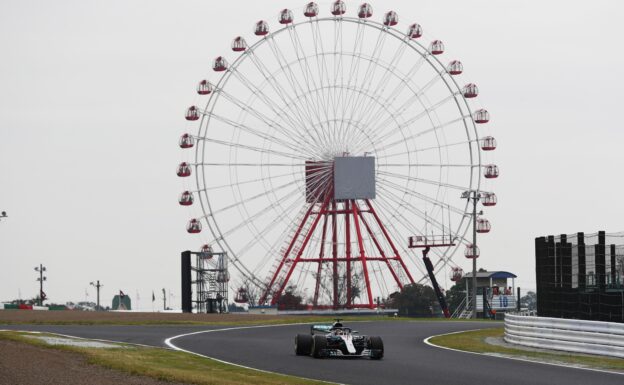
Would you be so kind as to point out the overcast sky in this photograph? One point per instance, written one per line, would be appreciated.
(92, 96)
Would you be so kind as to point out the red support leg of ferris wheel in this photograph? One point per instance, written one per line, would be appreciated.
(354, 221)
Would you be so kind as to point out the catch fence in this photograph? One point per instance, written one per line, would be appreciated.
(581, 276)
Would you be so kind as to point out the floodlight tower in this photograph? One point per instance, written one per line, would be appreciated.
(41, 269)
(97, 286)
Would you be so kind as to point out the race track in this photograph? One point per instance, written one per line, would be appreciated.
(407, 359)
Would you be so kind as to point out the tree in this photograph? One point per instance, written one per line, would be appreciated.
(289, 300)
(529, 300)
(414, 300)
(455, 295)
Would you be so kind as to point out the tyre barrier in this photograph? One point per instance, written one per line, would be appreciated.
(578, 336)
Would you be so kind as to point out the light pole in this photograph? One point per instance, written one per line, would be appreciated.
(40, 269)
(475, 196)
(97, 286)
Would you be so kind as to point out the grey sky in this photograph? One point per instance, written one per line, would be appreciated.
(93, 95)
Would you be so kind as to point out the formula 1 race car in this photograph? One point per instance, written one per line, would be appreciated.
(336, 340)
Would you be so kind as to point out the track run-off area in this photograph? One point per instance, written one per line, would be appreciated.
(408, 359)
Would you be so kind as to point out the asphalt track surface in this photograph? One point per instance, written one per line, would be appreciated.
(408, 360)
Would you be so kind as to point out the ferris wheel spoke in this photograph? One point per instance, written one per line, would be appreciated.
(256, 132)
(294, 83)
(367, 109)
(420, 196)
(405, 107)
(390, 222)
(338, 68)
(414, 210)
(310, 82)
(257, 238)
(353, 70)
(255, 149)
(245, 182)
(423, 180)
(298, 127)
(306, 71)
(420, 133)
(322, 67)
(424, 149)
(251, 219)
(300, 139)
(436, 165)
(254, 197)
(367, 78)
(250, 164)
(398, 89)
(271, 104)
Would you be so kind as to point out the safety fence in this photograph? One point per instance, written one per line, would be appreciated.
(581, 276)
(578, 336)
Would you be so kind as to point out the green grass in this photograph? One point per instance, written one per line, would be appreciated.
(474, 341)
(167, 365)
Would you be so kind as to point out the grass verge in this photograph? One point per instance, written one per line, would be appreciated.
(167, 365)
(474, 341)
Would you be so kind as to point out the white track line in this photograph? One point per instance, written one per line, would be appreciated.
(426, 341)
(83, 338)
(174, 347)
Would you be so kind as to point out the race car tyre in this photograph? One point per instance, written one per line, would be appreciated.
(303, 344)
(318, 344)
(377, 348)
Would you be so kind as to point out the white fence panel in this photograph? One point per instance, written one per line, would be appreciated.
(592, 337)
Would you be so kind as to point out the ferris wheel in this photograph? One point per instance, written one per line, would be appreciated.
(319, 145)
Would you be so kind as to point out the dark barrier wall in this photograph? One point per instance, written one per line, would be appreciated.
(580, 276)
(187, 304)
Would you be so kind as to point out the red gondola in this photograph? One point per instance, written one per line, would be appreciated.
(483, 226)
(186, 198)
(186, 141)
(489, 199)
(239, 44)
(491, 171)
(470, 90)
(338, 8)
(204, 87)
(471, 251)
(261, 28)
(241, 296)
(311, 10)
(184, 169)
(488, 143)
(481, 116)
(436, 47)
(365, 11)
(219, 64)
(192, 113)
(194, 226)
(456, 274)
(390, 19)
(455, 67)
(414, 31)
(285, 16)
(206, 251)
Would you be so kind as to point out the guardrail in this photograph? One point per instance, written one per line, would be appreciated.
(592, 337)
